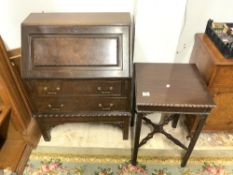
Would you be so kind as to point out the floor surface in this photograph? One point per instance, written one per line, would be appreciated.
(105, 139)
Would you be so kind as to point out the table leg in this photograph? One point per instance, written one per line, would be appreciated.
(194, 139)
(133, 109)
(175, 120)
(136, 138)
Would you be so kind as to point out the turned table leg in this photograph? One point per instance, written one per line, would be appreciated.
(194, 140)
(136, 138)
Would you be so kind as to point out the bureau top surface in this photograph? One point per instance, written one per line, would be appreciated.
(171, 85)
(107, 18)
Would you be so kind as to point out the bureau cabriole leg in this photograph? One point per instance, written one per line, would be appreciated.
(46, 133)
(136, 138)
(194, 139)
(125, 128)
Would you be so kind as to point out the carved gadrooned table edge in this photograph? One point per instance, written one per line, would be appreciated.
(84, 114)
(177, 105)
(174, 108)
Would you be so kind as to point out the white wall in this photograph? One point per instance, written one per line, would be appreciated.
(165, 29)
(13, 12)
(158, 24)
(197, 14)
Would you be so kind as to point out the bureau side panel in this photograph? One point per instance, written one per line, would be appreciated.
(203, 60)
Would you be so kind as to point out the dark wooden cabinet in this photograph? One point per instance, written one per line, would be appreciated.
(77, 68)
(218, 73)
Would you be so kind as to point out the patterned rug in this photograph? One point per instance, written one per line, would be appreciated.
(63, 164)
(87, 149)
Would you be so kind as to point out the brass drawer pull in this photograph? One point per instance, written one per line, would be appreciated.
(105, 91)
(51, 92)
(105, 108)
(55, 108)
(111, 105)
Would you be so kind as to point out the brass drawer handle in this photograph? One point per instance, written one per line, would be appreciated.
(105, 108)
(105, 91)
(55, 108)
(51, 92)
(111, 105)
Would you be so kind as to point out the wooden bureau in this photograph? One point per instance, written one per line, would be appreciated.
(77, 68)
(218, 73)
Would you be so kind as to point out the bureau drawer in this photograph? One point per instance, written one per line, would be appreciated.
(85, 103)
(103, 104)
(54, 105)
(75, 87)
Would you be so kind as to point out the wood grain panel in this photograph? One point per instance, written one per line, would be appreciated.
(221, 118)
(75, 50)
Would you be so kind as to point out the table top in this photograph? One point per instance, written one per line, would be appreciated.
(171, 87)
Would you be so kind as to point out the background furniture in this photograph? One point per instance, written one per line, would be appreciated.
(19, 133)
(169, 88)
(4, 121)
(218, 73)
(77, 68)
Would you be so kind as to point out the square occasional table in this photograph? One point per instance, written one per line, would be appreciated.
(172, 89)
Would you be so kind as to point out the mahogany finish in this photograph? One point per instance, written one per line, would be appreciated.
(218, 73)
(75, 65)
(166, 85)
(76, 46)
(169, 88)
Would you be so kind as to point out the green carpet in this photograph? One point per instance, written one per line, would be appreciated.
(64, 164)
